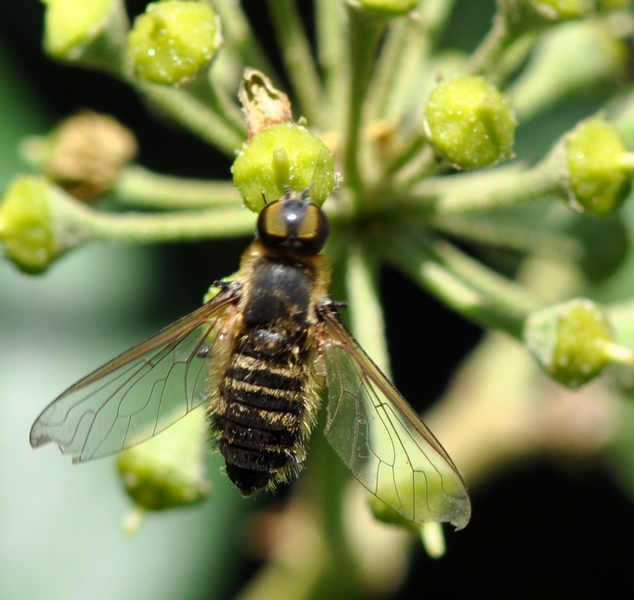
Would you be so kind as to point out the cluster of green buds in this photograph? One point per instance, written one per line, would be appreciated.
(413, 142)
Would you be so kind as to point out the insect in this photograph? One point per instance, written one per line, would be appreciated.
(258, 356)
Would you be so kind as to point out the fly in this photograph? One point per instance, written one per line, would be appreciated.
(258, 356)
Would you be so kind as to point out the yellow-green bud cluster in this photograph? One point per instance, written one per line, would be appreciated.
(470, 122)
(571, 341)
(173, 41)
(283, 155)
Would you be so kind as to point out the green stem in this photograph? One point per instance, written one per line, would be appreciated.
(528, 239)
(298, 59)
(333, 59)
(138, 186)
(417, 161)
(366, 313)
(366, 30)
(192, 114)
(213, 95)
(509, 41)
(461, 282)
(409, 150)
(493, 189)
(77, 223)
(326, 490)
(238, 35)
(402, 59)
(486, 57)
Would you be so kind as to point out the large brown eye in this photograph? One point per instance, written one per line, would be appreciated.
(293, 224)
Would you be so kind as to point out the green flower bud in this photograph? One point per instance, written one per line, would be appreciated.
(168, 470)
(391, 7)
(282, 155)
(470, 122)
(26, 225)
(88, 33)
(572, 341)
(172, 41)
(71, 24)
(600, 170)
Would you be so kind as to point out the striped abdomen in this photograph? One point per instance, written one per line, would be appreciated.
(267, 401)
(261, 412)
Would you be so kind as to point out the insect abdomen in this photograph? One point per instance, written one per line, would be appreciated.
(260, 417)
(267, 403)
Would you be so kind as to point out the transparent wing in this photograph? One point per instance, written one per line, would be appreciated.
(383, 441)
(141, 392)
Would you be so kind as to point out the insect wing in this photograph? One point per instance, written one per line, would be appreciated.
(139, 393)
(383, 441)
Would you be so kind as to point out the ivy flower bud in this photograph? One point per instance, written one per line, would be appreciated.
(71, 25)
(173, 41)
(168, 470)
(600, 170)
(26, 226)
(84, 154)
(572, 341)
(470, 122)
(88, 33)
(280, 156)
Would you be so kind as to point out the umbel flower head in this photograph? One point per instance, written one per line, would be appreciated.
(423, 157)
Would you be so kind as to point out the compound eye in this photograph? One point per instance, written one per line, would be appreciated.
(294, 225)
